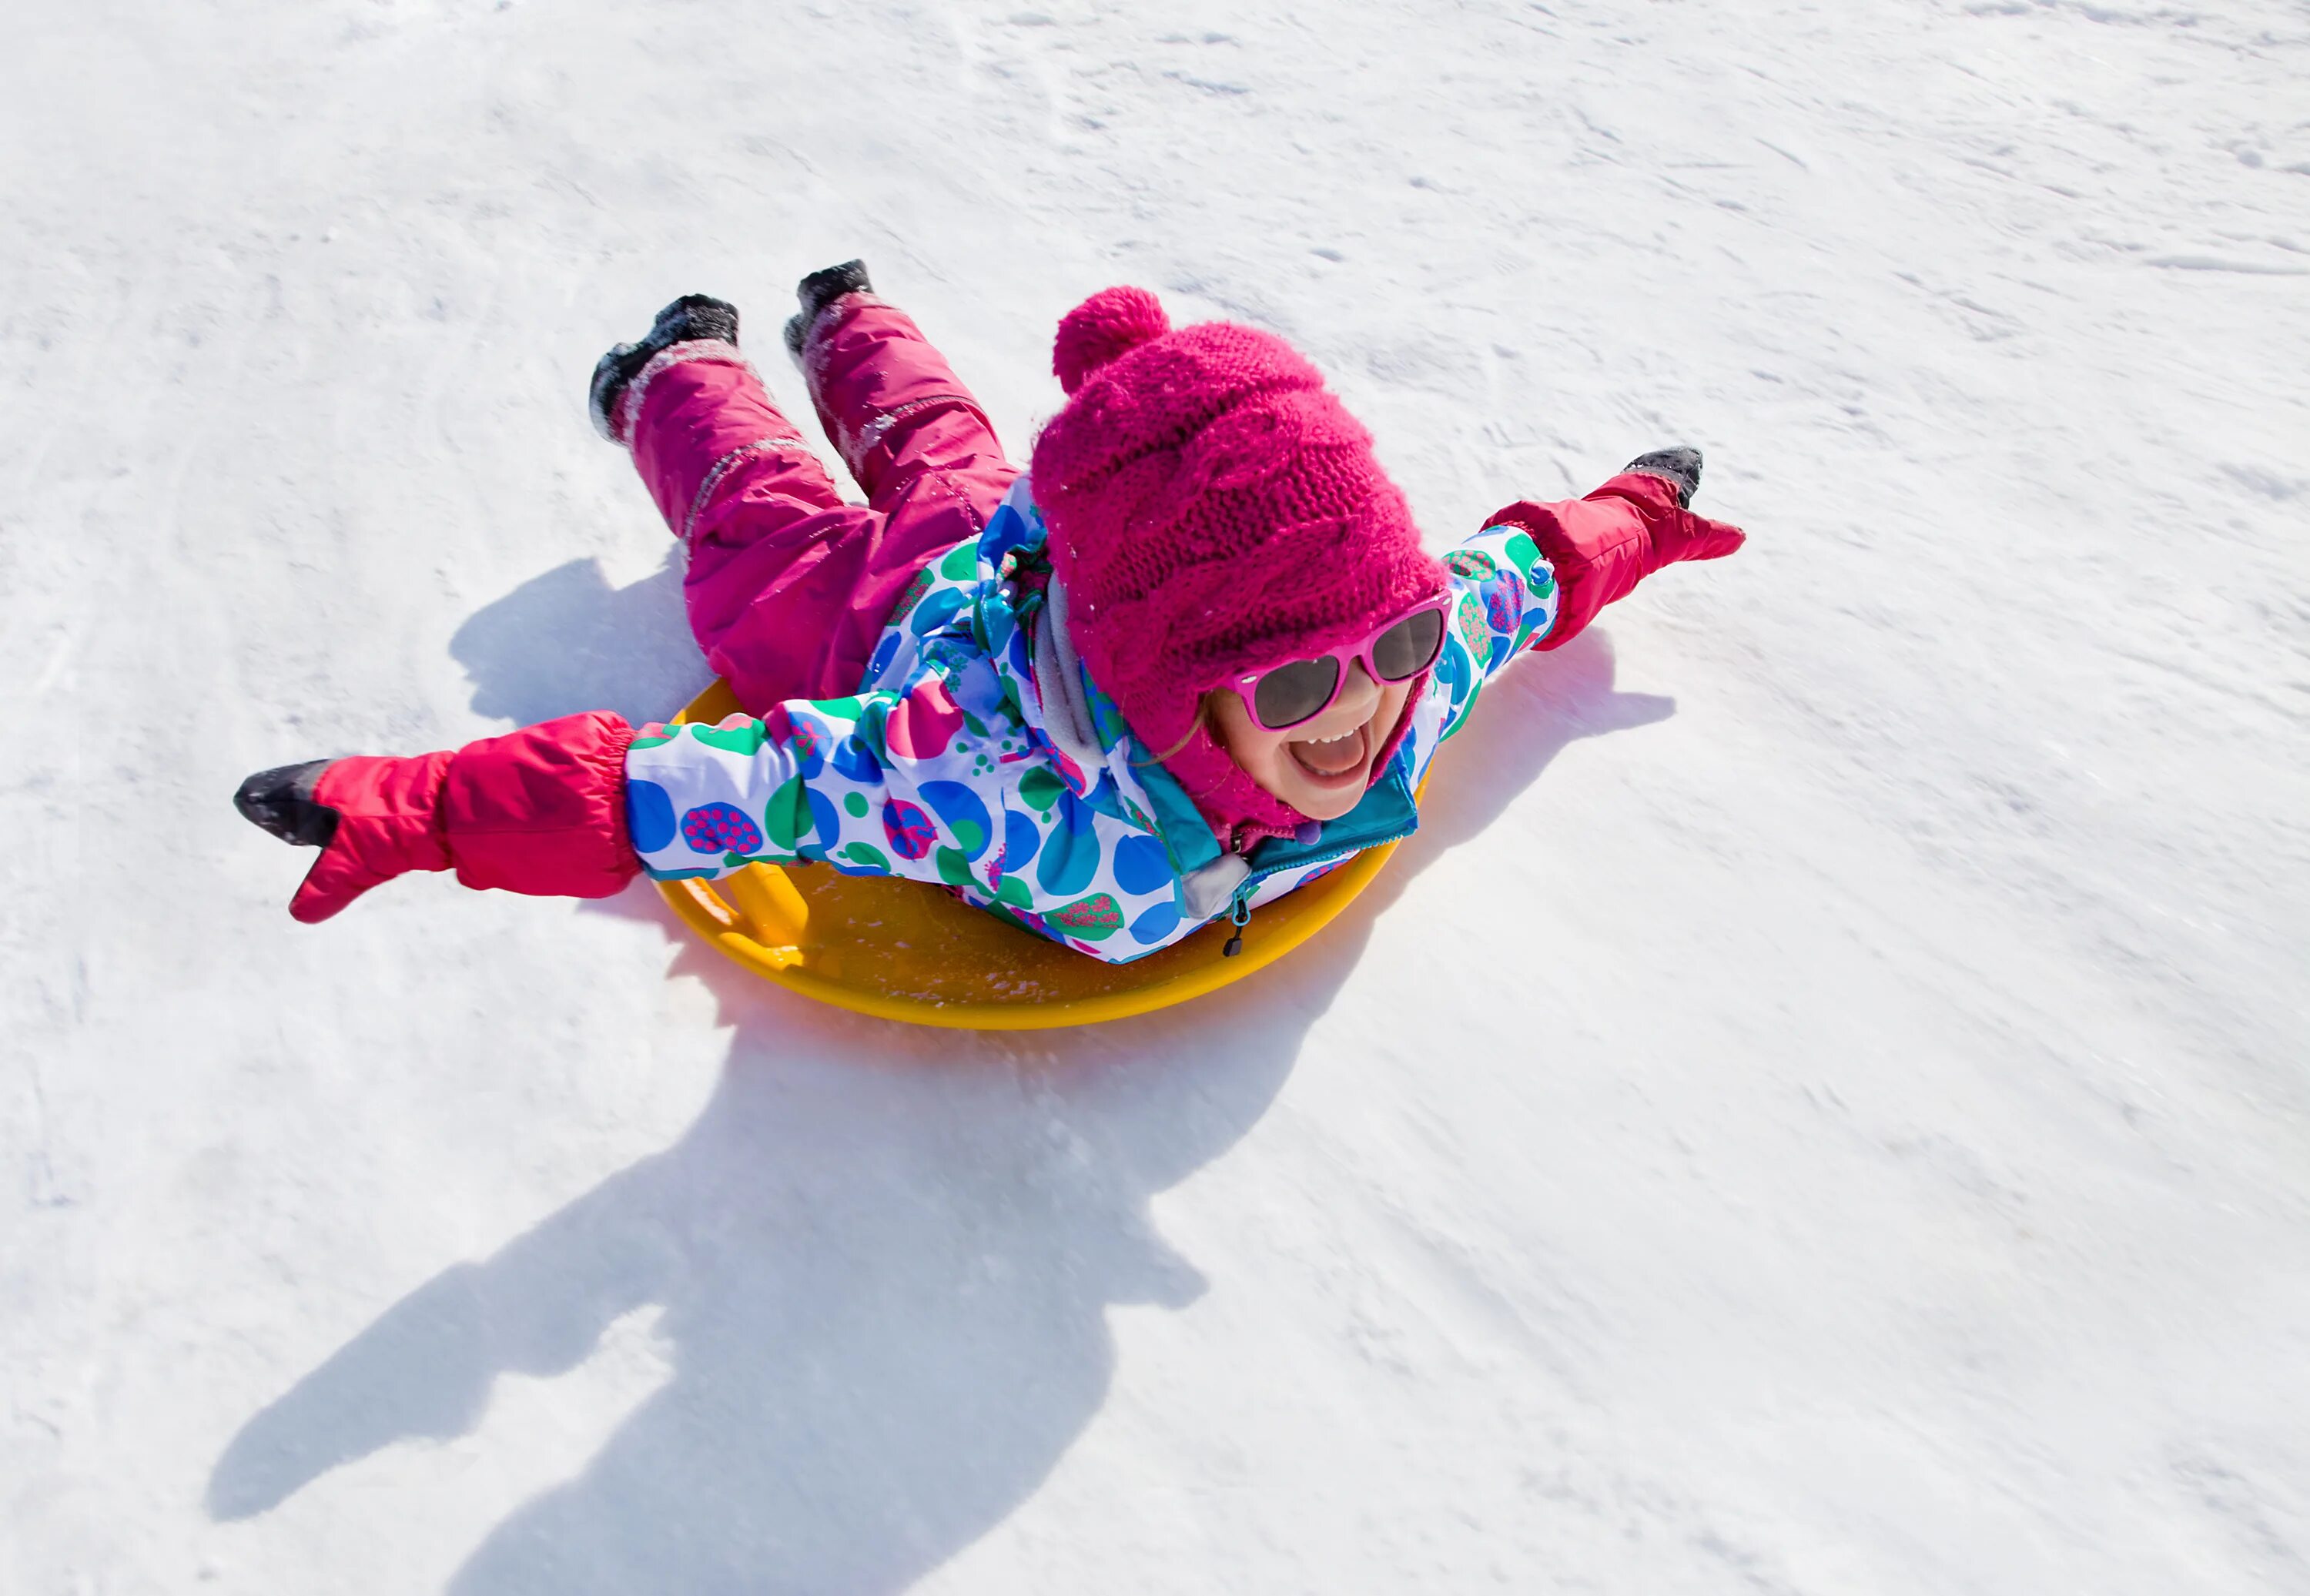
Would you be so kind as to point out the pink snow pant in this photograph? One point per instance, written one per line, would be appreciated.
(789, 586)
(788, 589)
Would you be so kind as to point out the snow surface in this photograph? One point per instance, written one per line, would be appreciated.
(1821, 1107)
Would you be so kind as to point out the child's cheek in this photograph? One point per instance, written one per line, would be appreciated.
(1258, 750)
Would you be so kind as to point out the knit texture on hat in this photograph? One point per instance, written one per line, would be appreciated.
(1213, 510)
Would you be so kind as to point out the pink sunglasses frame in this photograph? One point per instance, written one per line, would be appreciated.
(1247, 688)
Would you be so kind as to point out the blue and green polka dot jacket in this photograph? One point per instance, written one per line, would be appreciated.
(947, 767)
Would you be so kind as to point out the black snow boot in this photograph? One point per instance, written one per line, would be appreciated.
(689, 318)
(281, 799)
(817, 291)
(1680, 467)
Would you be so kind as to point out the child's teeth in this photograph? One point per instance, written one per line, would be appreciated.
(1332, 756)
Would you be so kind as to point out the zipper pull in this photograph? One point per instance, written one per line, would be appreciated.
(1239, 916)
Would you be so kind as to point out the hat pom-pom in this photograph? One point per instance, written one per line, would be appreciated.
(1109, 324)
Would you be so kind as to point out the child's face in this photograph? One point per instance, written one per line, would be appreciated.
(1320, 767)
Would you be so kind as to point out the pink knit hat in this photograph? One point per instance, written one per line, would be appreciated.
(1212, 511)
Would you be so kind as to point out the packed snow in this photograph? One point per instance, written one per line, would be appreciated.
(1821, 1106)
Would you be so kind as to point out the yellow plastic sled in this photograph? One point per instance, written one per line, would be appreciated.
(911, 952)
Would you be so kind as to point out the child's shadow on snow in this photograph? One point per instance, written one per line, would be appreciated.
(881, 1264)
(881, 1258)
(568, 641)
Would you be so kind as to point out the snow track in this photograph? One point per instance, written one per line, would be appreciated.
(1820, 1108)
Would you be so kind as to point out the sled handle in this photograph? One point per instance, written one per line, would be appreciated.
(766, 904)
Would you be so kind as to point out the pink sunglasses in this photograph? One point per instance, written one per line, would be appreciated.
(1287, 695)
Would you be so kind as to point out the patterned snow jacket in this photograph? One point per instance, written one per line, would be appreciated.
(979, 754)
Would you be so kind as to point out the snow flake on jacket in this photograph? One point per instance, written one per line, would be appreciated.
(947, 766)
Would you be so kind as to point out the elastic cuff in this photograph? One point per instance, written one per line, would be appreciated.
(628, 411)
(1525, 514)
(810, 351)
(611, 760)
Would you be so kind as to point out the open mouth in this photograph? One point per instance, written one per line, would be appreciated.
(1333, 760)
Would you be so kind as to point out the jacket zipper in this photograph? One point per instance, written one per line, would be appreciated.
(1239, 908)
(1239, 916)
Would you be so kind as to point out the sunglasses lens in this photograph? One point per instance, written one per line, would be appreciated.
(1408, 646)
(1289, 694)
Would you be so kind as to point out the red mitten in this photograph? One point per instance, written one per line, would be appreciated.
(1602, 546)
(388, 823)
(539, 810)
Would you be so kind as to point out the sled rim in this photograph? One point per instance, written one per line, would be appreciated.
(764, 931)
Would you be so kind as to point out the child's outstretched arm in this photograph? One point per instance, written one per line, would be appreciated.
(540, 811)
(880, 784)
(1602, 545)
(1538, 574)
